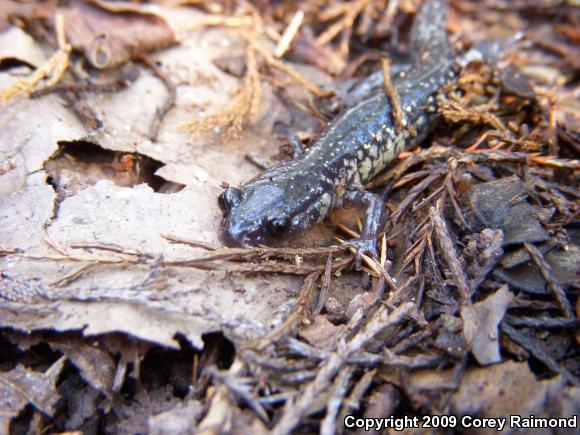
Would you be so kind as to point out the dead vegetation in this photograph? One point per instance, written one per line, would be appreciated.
(120, 311)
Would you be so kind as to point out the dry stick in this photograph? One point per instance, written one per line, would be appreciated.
(196, 244)
(264, 266)
(101, 247)
(344, 25)
(413, 177)
(298, 407)
(254, 253)
(333, 407)
(295, 75)
(71, 277)
(240, 390)
(88, 87)
(393, 96)
(325, 285)
(402, 167)
(538, 353)
(455, 113)
(289, 34)
(292, 319)
(221, 20)
(380, 287)
(374, 267)
(495, 252)
(450, 188)
(450, 254)
(558, 163)
(553, 286)
(227, 260)
(353, 402)
(259, 252)
(543, 322)
(414, 193)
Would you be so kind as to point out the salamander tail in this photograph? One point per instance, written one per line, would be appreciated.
(428, 33)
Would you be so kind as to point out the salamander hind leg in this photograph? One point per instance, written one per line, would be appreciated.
(374, 222)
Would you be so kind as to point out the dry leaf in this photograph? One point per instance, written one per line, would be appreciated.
(22, 386)
(95, 366)
(32, 13)
(481, 325)
(322, 333)
(109, 35)
(179, 420)
(503, 390)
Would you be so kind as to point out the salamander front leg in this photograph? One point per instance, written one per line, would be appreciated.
(375, 219)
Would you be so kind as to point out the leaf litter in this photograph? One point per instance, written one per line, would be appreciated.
(120, 309)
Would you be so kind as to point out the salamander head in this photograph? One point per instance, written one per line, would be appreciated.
(270, 210)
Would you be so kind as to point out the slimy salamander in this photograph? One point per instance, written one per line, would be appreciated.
(291, 197)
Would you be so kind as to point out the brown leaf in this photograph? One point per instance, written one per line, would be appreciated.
(178, 420)
(21, 386)
(322, 333)
(508, 389)
(29, 12)
(110, 35)
(480, 325)
(95, 366)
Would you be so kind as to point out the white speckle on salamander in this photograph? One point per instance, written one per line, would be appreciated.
(365, 168)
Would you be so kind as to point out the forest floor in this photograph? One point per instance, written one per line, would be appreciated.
(121, 311)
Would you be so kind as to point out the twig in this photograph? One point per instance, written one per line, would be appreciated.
(194, 243)
(553, 286)
(298, 407)
(68, 279)
(341, 384)
(449, 253)
(295, 75)
(289, 34)
(543, 322)
(456, 113)
(374, 266)
(324, 288)
(268, 266)
(414, 159)
(353, 402)
(491, 255)
(538, 353)
(240, 390)
(413, 194)
(292, 320)
(222, 21)
(393, 96)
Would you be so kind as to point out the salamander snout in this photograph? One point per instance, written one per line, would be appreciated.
(233, 235)
(232, 231)
(269, 231)
(254, 216)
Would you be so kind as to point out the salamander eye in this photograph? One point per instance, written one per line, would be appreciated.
(229, 198)
(278, 226)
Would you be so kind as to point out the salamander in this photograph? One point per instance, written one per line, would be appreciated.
(289, 198)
